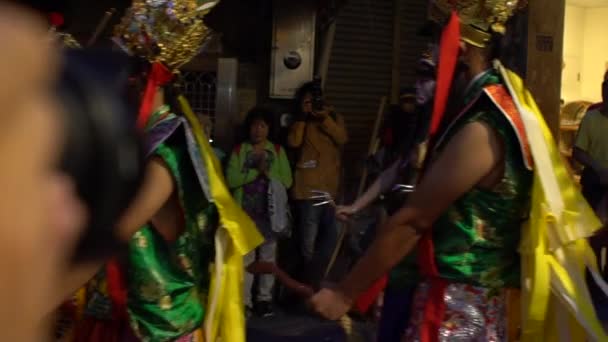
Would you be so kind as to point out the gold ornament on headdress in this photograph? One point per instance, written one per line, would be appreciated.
(64, 39)
(168, 31)
(479, 18)
(69, 41)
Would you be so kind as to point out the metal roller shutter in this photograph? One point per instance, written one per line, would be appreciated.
(359, 72)
(413, 17)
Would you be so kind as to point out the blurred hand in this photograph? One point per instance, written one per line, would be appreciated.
(345, 212)
(261, 162)
(302, 116)
(322, 114)
(263, 166)
(331, 304)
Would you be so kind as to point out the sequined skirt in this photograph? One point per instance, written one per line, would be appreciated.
(473, 314)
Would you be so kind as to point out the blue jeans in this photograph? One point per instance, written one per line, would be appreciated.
(318, 234)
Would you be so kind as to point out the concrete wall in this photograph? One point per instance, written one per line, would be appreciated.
(585, 53)
(595, 56)
(574, 43)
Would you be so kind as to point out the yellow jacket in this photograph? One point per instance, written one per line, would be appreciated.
(318, 163)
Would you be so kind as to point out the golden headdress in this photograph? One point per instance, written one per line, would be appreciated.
(478, 18)
(168, 31)
(66, 40)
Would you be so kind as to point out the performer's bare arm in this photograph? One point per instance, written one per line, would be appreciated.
(473, 157)
(153, 196)
(383, 183)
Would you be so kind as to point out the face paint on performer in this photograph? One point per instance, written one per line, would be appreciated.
(425, 91)
(426, 77)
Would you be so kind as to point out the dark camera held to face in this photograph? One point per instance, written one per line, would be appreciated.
(102, 154)
(317, 94)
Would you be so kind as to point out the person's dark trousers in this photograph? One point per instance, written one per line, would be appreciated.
(317, 235)
(592, 188)
(395, 314)
(598, 241)
(593, 192)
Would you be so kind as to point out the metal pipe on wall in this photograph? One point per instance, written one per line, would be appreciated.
(226, 102)
(328, 43)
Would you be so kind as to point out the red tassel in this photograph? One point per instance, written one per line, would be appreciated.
(159, 76)
(365, 301)
(434, 310)
(448, 57)
(117, 289)
(56, 19)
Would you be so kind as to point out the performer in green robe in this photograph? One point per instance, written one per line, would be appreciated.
(494, 207)
(166, 277)
(180, 278)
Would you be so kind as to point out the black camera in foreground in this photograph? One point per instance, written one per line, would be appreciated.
(103, 152)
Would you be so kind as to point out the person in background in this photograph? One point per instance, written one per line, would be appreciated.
(41, 216)
(399, 128)
(318, 136)
(591, 150)
(254, 167)
(397, 299)
(411, 151)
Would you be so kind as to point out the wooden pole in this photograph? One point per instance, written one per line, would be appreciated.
(372, 142)
(328, 43)
(370, 151)
(101, 26)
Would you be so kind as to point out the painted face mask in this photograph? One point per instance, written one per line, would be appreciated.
(425, 90)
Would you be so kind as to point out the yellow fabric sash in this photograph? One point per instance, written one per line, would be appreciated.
(236, 237)
(555, 254)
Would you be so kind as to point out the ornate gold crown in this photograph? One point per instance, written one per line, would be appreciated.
(167, 31)
(478, 17)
